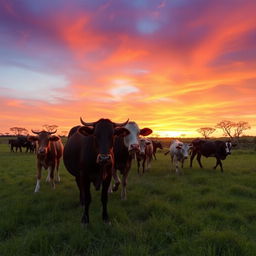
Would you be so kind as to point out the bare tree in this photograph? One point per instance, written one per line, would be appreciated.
(206, 131)
(240, 128)
(232, 129)
(50, 127)
(18, 130)
(227, 127)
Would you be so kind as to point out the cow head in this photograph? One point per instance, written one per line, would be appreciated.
(131, 141)
(43, 138)
(103, 132)
(228, 146)
(143, 144)
(183, 149)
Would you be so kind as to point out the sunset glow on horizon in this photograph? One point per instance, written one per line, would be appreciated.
(171, 65)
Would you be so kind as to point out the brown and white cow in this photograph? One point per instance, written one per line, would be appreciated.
(145, 155)
(125, 148)
(49, 153)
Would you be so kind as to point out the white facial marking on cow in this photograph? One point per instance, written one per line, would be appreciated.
(131, 140)
(228, 147)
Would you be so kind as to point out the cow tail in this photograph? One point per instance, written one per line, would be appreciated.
(167, 152)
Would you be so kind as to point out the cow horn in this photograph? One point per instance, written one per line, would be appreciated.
(52, 132)
(35, 132)
(121, 124)
(87, 124)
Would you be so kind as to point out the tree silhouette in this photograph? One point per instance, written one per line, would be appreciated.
(232, 129)
(50, 127)
(206, 131)
(227, 127)
(18, 130)
(240, 128)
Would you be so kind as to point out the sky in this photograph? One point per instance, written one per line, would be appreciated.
(171, 65)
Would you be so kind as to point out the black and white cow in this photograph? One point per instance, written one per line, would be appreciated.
(218, 149)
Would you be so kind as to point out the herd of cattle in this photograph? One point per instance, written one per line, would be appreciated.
(96, 151)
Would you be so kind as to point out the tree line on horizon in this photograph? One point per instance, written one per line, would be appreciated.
(233, 130)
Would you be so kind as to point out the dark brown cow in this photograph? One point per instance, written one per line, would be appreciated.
(88, 155)
(156, 145)
(50, 150)
(15, 143)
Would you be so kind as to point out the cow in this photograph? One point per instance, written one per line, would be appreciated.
(49, 153)
(15, 143)
(88, 156)
(179, 151)
(156, 145)
(125, 149)
(26, 143)
(145, 154)
(218, 149)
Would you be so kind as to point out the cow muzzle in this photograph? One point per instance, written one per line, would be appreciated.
(104, 159)
(134, 148)
(42, 151)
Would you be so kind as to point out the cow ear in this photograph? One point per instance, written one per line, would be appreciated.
(121, 131)
(54, 138)
(32, 138)
(145, 131)
(86, 130)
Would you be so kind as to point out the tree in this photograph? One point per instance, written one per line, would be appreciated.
(232, 129)
(18, 130)
(206, 131)
(227, 127)
(50, 127)
(240, 128)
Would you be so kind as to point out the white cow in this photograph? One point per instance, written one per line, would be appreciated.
(179, 151)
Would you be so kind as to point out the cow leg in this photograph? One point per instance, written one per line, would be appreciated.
(176, 165)
(52, 168)
(48, 175)
(39, 173)
(154, 156)
(57, 176)
(124, 183)
(149, 162)
(104, 198)
(198, 158)
(85, 186)
(116, 179)
(143, 164)
(218, 162)
(81, 192)
(192, 158)
(138, 165)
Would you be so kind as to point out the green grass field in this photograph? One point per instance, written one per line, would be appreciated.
(202, 212)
